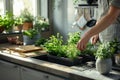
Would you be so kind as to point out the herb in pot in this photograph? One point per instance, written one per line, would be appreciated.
(104, 54)
(8, 21)
(56, 47)
(54, 44)
(30, 33)
(105, 50)
(74, 37)
(72, 52)
(40, 42)
(41, 23)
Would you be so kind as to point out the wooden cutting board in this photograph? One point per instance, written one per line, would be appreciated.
(25, 49)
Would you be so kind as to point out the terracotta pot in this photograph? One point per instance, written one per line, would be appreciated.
(18, 28)
(27, 25)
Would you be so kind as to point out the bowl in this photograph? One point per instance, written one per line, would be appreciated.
(12, 39)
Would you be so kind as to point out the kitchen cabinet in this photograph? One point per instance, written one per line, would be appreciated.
(31, 74)
(9, 71)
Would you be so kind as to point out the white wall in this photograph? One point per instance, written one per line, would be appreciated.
(63, 17)
(44, 8)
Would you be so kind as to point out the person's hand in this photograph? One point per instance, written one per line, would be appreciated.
(94, 39)
(81, 45)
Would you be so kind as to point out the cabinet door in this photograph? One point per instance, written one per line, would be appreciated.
(51, 77)
(31, 74)
(9, 71)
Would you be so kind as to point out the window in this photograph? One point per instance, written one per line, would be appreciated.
(35, 7)
(20, 5)
(1, 7)
(44, 8)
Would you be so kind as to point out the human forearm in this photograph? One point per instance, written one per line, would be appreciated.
(102, 24)
(105, 21)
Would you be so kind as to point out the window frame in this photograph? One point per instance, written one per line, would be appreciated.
(40, 5)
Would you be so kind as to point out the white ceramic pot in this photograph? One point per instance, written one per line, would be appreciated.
(104, 66)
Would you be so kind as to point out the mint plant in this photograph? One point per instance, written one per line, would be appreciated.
(74, 37)
(30, 33)
(56, 47)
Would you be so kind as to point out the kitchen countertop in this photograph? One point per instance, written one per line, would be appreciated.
(72, 72)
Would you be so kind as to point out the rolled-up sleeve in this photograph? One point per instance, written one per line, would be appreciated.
(115, 3)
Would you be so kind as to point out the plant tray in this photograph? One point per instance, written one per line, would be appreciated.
(87, 58)
(60, 60)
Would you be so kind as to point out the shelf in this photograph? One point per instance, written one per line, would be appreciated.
(86, 5)
(12, 33)
(95, 5)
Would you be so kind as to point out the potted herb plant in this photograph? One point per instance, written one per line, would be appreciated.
(40, 42)
(30, 36)
(41, 24)
(74, 37)
(28, 19)
(88, 53)
(54, 44)
(56, 47)
(18, 23)
(104, 54)
(8, 22)
(38, 26)
(66, 54)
